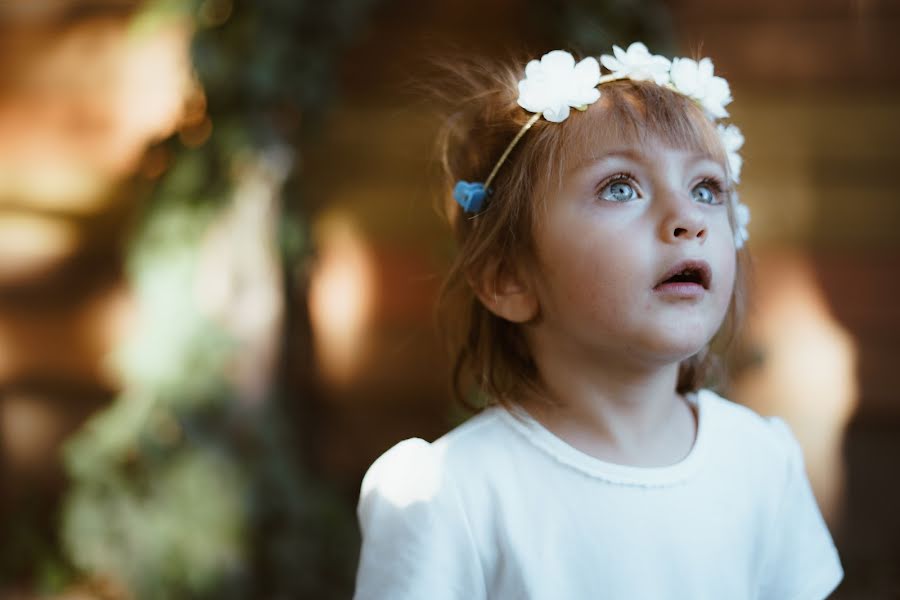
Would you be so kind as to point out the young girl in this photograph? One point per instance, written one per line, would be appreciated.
(601, 260)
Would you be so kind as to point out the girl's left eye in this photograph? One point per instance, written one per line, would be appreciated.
(707, 191)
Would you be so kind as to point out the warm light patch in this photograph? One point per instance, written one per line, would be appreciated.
(106, 321)
(30, 431)
(341, 295)
(153, 84)
(80, 107)
(54, 186)
(30, 244)
(809, 370)
(7, 352)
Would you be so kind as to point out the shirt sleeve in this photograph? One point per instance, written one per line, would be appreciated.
(416, 539)
(802, 562)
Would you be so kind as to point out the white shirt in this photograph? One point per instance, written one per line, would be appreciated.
(502, 508)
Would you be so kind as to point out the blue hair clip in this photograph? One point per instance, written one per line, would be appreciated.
(469, 195)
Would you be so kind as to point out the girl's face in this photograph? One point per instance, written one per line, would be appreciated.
(610, 233)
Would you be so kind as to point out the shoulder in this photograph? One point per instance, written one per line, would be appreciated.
(404, 473)
(475, 436)
(415, 470)
(405, 494)
(799, 556)
(415, 455)
(416, 534)
(733, 418)
(765, 439)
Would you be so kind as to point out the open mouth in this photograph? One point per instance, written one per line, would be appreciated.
(687, 272)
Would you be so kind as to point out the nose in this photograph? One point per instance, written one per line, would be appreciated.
(684, 222)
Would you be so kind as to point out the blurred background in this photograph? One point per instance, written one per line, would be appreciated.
(219, 256)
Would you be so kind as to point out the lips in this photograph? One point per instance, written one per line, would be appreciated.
(688, 271)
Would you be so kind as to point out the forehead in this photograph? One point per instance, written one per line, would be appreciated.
(637, 115)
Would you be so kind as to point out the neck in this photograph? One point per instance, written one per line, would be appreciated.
(611, 407)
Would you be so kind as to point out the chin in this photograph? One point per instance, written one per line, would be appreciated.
(677, 349)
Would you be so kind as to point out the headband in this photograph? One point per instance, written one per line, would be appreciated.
(555, 84)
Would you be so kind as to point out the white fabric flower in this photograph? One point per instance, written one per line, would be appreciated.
(696, 79)
(555, 83)
(638, 64)
(732, 140)
(742, 220)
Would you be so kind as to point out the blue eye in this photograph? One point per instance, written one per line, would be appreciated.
(707, 192)
(618, 191)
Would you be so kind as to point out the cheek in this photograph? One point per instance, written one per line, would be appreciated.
(723, 256)
(589, 275)
(732, 271)
(727, 271)
(728, 263)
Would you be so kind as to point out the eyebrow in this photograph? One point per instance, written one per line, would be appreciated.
(629, 153)
(635, 155)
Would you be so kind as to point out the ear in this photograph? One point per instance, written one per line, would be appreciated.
(504, 291)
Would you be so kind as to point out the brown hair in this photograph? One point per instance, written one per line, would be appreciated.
(488, 352)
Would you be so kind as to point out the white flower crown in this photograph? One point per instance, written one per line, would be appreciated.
(555, 84)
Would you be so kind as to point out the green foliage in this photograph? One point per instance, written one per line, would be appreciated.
(179, 488)
(175, 530)
(160, 493)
